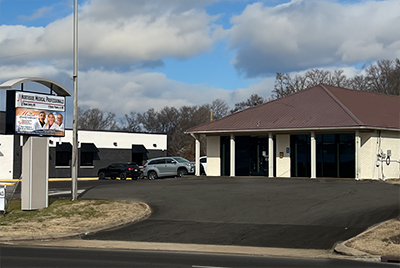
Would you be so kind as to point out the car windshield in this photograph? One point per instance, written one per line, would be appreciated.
(181, 160)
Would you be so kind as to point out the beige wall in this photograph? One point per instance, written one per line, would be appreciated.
(282, 164)
(213, 156)
(371, 144)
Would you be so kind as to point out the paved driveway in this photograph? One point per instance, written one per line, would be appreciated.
(253, 211)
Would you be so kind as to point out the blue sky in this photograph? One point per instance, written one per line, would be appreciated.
(140, 54)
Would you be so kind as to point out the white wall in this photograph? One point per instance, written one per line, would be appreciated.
(282, 164)
(6, 157)
(213, 156)
(371, 144)
(103, 139)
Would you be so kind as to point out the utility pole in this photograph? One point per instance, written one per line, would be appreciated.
(74, 166)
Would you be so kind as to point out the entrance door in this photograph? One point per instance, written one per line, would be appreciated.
(300, 155)
(336, 155)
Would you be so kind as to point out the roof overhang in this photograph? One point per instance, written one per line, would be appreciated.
(59, 89)
(291, 130)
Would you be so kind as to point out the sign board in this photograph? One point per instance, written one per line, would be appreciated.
(35, 114)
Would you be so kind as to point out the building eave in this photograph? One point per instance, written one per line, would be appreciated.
(291, 130)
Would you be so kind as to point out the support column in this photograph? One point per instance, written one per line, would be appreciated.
(357, 156)
(197, 155)
(270, 156)
(35, 173)
(232, 156)
(313, 156)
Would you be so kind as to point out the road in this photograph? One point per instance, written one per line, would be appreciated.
(288, 213)
(48, 257)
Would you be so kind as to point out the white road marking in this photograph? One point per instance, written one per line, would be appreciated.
(63, 192)
(196, 266)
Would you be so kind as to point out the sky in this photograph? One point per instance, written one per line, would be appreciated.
(140, 54)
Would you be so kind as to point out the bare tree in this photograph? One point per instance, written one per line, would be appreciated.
(382, 77)
(253, 100)
(95, 119)
(286, 84)
(219, 109)
(131, 123)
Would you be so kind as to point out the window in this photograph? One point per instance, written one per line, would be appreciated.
(89, 152)
(157, 162)
(63, 154)
(87, 158)
(62, 159)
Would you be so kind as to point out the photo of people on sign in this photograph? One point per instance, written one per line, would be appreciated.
(39, 122)
(38, 114)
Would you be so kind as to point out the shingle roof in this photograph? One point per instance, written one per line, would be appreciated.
(318, 107)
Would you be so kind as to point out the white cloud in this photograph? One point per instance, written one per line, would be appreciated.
(122, 93)
(310, 33)
(114, 34)
(117, 36)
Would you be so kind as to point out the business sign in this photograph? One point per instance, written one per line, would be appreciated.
(39, 101)
(35, 114)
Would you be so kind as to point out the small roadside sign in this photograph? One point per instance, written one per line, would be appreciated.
(2, 198)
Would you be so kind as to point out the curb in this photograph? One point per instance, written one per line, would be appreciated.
(12, 182)
(343, 249)
(82, 232)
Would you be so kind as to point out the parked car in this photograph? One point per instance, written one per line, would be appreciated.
(121, 170)
(167, 167)
(203, 165)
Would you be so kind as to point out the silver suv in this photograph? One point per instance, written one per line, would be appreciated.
(167, 166)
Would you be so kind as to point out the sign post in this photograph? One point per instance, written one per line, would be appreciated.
(35, 173)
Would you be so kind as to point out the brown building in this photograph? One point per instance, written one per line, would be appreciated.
(323, 131)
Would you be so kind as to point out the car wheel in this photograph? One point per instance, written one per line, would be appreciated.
(152, 175)
(102, 176)
(182, 172)
(122, 176)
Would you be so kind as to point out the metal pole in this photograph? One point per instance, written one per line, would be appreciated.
(74, 166)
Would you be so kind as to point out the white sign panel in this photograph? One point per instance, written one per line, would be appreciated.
(39, 101)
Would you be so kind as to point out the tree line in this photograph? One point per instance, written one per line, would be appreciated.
(382, 77)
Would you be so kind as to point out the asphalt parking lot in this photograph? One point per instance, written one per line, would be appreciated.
(251, 211)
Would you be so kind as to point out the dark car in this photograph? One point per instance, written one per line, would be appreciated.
(121, 170)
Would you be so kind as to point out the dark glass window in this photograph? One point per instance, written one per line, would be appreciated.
(62, 159)
(336, 155)
(300, 154)
(225, 155)
(87, 158)
(347, 155)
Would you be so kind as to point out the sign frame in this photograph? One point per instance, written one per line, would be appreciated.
(24, 109)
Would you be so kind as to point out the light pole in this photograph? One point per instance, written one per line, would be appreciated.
(74, 166)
